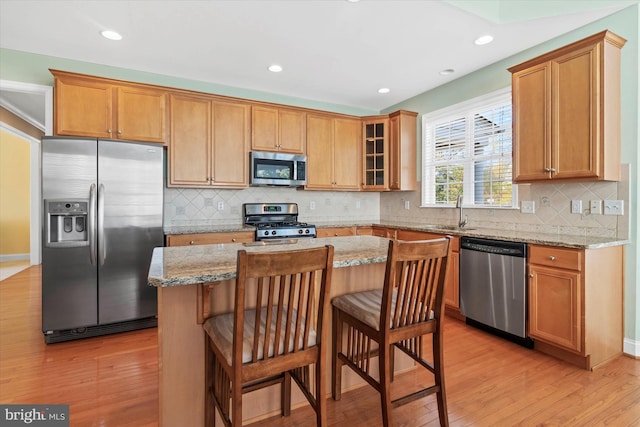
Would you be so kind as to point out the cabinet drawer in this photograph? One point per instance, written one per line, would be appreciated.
(208, 238)
(416, 235)
(556, 257)
(336, 232)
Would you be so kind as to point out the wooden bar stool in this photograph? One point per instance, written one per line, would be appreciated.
(410, 306)
(254, 348)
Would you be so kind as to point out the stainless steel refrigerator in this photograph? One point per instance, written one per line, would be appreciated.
(102, 207)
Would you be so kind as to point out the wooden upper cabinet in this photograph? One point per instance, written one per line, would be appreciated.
(566, 113)
(190, 141)
(389, 152)
(101, 108)
(346, 154)
(333, 155)
(278, 129)
(375, 152)
(141, 114)
(402, 150)
(231, 132)
(208, 143)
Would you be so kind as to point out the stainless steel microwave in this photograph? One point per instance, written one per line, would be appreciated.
(268, 168)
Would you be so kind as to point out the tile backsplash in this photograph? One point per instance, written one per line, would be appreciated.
(201, 207)
(552, 210)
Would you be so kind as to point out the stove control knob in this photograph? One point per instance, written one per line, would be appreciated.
(306, 231)
(273, 232)
(266, 233)
(300, 231)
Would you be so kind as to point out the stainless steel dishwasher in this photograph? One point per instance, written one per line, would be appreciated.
(493, 287)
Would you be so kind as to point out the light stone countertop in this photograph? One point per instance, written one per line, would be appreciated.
(188, 265)
(530, 237)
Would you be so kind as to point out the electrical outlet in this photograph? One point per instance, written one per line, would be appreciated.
(614, 207)
(407, 204)
(595, 207)
(358, 205)
(576, 206)
(312, 205)
(221, 206)
(528, 206)
(545, 202)
(208, 201)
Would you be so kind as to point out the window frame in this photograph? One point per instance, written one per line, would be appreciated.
(450, 113)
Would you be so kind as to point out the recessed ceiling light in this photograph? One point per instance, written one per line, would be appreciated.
(447, 71)
(111, 35)
(275, 68)
(483, 40)
(383, 90)
(353, 1)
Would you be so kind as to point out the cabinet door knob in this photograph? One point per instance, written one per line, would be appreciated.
(192, 242)
(233, 240)
(552, 258)
(531, 275)
(109, 131)
(119, 132)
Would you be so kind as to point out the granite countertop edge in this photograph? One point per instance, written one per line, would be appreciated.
(531, 237)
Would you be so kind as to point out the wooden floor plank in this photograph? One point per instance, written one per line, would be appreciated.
(113, 380)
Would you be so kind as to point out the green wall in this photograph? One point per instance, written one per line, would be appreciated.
(496, 76)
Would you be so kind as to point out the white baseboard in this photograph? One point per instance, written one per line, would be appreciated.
(631, 347)
(14, 257)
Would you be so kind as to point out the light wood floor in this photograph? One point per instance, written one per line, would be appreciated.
(112, 380)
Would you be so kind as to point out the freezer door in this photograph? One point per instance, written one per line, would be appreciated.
(130, 203)
(69, 280)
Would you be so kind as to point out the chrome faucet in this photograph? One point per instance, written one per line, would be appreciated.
(462, 222)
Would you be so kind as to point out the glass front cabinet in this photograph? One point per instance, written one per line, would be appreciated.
(376, 154)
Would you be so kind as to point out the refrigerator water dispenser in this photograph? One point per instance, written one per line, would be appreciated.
(66, 223)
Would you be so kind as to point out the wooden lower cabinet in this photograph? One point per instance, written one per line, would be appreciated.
(336, 232)
(209, 238)
(575, 303)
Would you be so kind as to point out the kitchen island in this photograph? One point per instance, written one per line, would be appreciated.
(359, 264)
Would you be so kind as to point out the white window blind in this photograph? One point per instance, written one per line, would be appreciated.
(467, 150)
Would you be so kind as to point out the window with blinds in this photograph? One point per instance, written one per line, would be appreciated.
(467, 151)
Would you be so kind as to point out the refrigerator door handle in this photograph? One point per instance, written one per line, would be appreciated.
(91, 226)
(101, 239)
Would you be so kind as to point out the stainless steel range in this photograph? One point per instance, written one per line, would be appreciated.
(276, 221)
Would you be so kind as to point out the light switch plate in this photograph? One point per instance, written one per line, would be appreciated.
(576, 206)
(528, 206)
(614, 207)
(595, 207)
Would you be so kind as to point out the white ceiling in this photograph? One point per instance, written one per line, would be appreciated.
(332, 51)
